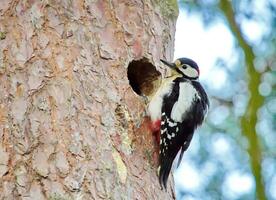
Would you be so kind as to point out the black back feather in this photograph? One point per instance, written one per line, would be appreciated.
(182, 131)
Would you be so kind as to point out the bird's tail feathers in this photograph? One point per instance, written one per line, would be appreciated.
(180, 157)
(164, 172)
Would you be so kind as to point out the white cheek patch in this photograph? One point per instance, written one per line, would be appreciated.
(190, 72)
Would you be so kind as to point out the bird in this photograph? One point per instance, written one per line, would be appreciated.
(178, 107)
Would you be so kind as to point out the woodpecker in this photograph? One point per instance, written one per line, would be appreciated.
(178, 107)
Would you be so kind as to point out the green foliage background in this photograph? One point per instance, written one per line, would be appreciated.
(252, 134)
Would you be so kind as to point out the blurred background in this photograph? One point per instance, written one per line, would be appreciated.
(233, 155)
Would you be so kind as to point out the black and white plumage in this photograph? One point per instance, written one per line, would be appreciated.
(181, 103)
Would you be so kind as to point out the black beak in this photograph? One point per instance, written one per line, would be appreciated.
(171, 65)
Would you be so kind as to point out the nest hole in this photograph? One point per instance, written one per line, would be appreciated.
(143, 77)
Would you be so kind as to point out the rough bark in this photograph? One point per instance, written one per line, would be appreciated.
(71, 127)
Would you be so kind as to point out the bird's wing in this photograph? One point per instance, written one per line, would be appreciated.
(169, 147)
(172, 136)
(178, 135)
(201, 105)
(196, 114)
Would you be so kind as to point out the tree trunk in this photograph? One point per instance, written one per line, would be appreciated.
(71, 125)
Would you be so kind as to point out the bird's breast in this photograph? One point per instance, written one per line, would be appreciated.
(156, 102)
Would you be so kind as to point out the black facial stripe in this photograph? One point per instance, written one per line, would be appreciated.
(179, 71)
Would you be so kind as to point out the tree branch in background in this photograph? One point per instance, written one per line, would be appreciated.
(249, 120)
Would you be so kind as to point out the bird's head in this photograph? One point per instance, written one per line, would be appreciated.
(184, 66)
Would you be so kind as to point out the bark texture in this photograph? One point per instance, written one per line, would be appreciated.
(71, 127)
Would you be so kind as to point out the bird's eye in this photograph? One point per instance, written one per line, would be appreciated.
(184, 66)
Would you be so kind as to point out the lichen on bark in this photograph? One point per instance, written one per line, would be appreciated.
(169, 8)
